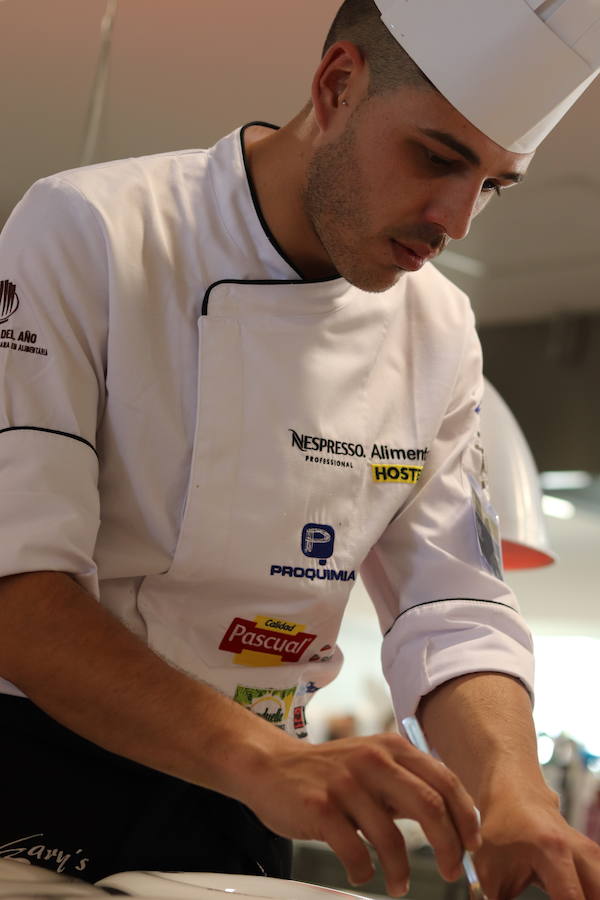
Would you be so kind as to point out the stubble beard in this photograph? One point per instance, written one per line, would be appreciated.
(335, 202)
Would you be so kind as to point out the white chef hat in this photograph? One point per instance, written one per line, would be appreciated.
(512, 67)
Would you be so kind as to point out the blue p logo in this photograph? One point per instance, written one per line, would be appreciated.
(318, 541)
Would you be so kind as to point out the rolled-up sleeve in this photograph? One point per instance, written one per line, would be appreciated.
(443, 611)
(53, 280)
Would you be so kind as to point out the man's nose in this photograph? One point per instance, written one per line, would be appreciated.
(454, 208)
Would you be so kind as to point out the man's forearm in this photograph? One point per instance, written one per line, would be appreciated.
(481, 726)
(85, 669)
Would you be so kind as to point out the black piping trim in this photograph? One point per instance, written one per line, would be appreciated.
(272, 281)
(271, 237)
(254, 195)
(447, 600)
(74, 437)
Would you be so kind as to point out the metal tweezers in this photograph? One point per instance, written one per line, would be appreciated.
(418, 740)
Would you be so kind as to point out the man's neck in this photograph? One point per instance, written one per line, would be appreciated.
(277, 163)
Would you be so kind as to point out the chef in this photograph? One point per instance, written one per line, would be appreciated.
(230, 380)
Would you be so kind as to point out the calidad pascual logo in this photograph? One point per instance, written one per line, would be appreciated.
(265, 641)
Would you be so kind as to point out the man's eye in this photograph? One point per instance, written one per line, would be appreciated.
(489, 186)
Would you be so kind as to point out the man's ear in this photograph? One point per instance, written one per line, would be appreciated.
(339, 83)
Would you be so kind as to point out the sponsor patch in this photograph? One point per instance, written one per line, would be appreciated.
(309, 687)
(382, 451)
(325, 449)
(271, 704)
(21, 340)
(9, 300)
(316, 543)
(266, 641)
(313, 574)
(328, 451)
(393, 474)
(299, 718)
(328, 650)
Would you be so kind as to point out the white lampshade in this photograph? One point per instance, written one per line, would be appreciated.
(514, 486)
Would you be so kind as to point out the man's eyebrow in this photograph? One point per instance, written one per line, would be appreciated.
(450, 141)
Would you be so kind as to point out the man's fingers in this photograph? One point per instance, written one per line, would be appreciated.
(588, 867)
(458, 802)
(342, 837)
(555, 872)
(436, 801)
(364, 784)
(559, 877)
(425, 805)
(379, 829)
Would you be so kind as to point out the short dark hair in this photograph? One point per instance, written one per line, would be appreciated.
(390, 66)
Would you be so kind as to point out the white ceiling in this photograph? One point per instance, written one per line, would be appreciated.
(183, 72)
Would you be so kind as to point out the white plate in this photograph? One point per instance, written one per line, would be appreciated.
(19, 880)
(208, 886)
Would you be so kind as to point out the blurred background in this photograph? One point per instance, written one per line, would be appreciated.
(92, 80)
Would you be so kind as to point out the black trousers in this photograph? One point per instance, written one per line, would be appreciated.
(75, 808)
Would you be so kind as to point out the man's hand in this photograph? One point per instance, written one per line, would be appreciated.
(527, 841)
(482, 727)
(329, 792)
(85, 669)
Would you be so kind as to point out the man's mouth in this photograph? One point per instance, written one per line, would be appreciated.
(411, 258)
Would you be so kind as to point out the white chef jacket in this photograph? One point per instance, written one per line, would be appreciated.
(214, 448)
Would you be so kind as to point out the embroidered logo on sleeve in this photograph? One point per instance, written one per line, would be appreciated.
(9, 300)
(22, 340)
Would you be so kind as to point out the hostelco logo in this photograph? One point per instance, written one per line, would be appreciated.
(396, 474)
(9, 300)
(265, 641)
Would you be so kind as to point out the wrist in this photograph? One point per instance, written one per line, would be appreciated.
(245, 753)
(509, 786)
